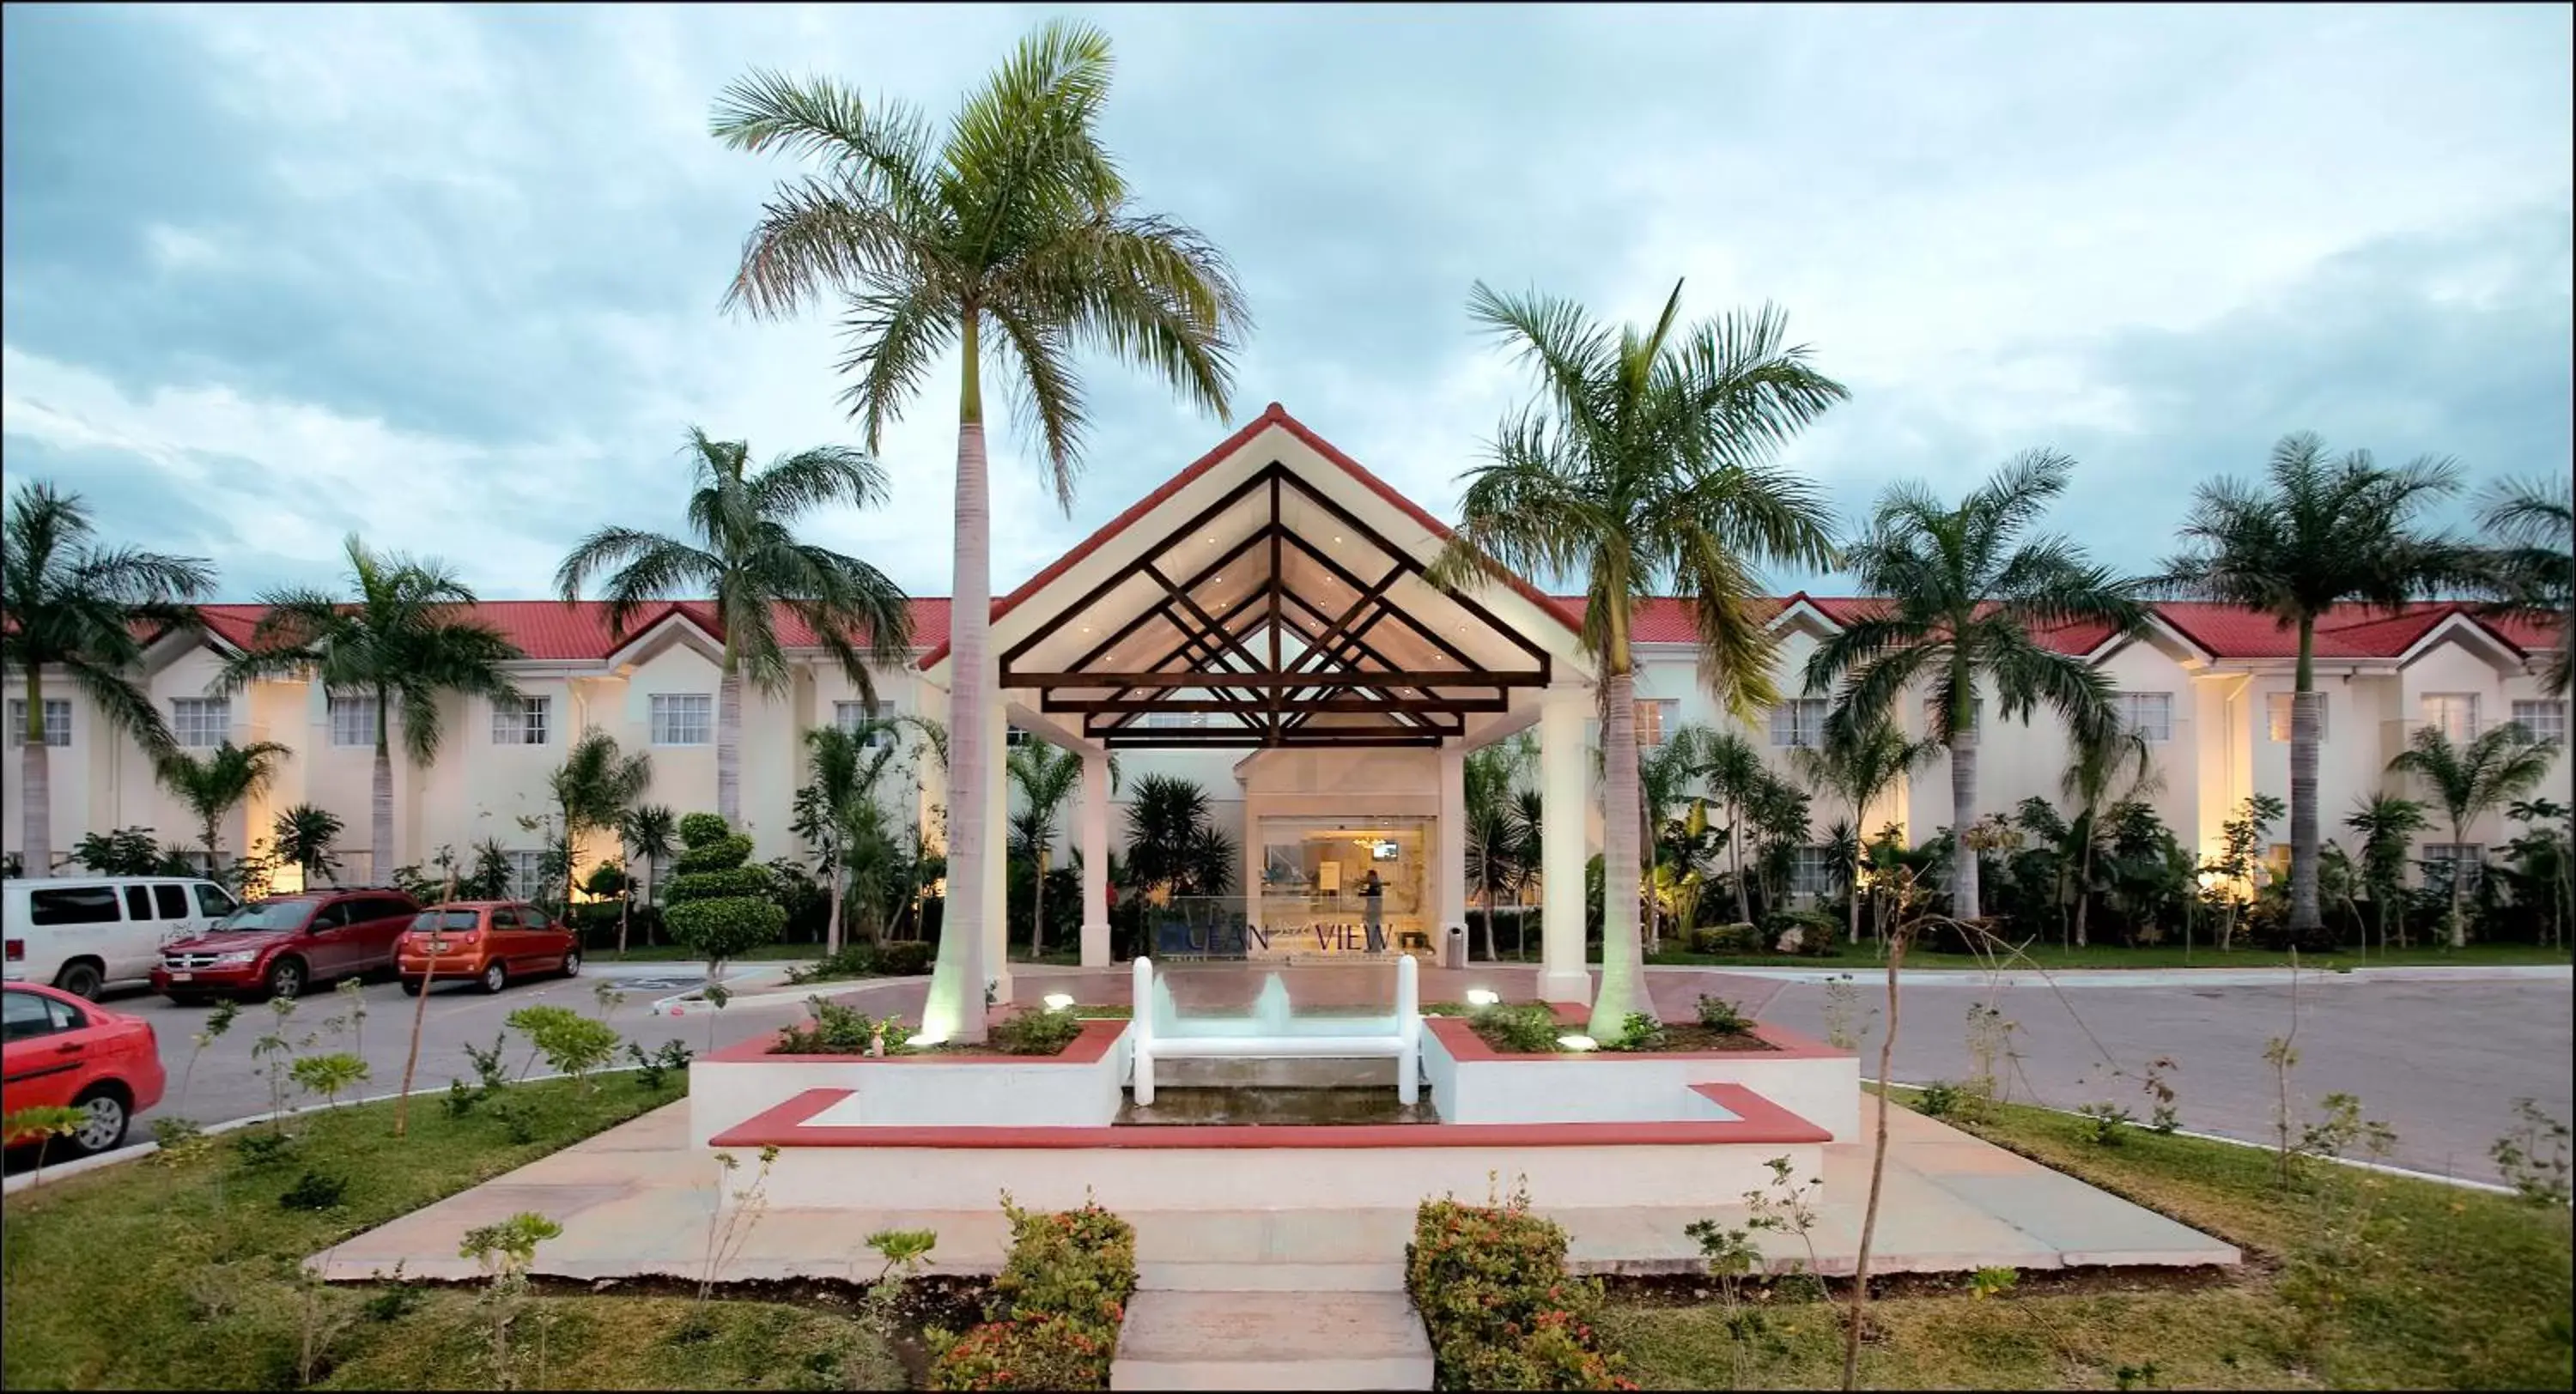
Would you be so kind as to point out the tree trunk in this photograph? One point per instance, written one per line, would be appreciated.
(35, 789)
(955, 1006)
(2084, 890)
(1877, 1171)
(2304, 912)
(1963, 821)
(1851, 893)
(1735, 852)
(1490, 955)
(1037, 909)
(2459, 885)
(832, 931)
(380, 803)
(729, 742)
(419, 1014)
(1623, 967)
(625, 911)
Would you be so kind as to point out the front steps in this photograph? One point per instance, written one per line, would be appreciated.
(1249, 1335)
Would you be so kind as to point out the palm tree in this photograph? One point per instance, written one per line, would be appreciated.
(1735, 775)
(593, 788)
(2317, 533)
(408, 638)
(303, 835)
(85, 611)
(742, 550)
(2535, 569)
(1164, 821)
(1644, 467)
(1665, 773)
(216, 783)
(1858, 762)
(2387, 824)
(841, 773)
(1012, 239)
(1493, 841)
(1967, 598)
(2503, 763)
(650, 832)
(2102, 775)
(1045, 777)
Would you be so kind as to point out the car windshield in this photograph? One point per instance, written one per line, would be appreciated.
(268, 915)
(428, 920)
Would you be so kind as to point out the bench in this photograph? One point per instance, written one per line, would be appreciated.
(1233, 1040)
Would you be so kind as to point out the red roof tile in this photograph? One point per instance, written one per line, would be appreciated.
(550, 630)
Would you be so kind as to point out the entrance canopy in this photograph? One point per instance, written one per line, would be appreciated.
(1274, 595)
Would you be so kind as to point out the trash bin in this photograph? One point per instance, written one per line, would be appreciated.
(1453, 947)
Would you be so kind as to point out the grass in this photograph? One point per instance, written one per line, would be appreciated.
(673, 953)
(186, 1276)
(1865, 955)
(2468, 1290)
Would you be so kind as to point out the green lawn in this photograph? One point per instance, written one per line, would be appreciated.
(2466, 1290)
(2160, 956)
(153, 1276)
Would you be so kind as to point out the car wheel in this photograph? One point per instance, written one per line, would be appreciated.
(286, 978)
(412, 986)
(102, 1124)
(495, 977)
(81, 979)
(572, 963)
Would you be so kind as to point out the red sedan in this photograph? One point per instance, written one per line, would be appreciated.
(58, 1051)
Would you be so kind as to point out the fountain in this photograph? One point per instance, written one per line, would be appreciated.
(1273, 1032)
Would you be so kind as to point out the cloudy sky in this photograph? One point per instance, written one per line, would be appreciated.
(449, 278)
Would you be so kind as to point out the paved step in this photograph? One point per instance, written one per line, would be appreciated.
(1271, 1340)
(1272, 1276)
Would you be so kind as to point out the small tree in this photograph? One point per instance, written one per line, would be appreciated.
(328, 1075)
(507, 1251)
(719, 907)
(2240, 841)
(2503, 763)
(572, 1044)
(2387, 824)
(305, 836)
(647, 832)
(216, 783)
(1046, 777)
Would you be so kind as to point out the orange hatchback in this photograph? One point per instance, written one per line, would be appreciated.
(485, 942)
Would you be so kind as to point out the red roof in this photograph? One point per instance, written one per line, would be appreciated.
(2346, 631)
(552, 630)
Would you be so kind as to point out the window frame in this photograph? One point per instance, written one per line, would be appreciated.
(58, 733)
(2459, 736)
(2555, 729)
(523, 721)
(2131, 705)
(36, 912)
(2449, 856)
(670, 715)
(1792, 708)
(333, 704)
(867, 713)
(2278, 728)
(1667, 712)
(188, 725)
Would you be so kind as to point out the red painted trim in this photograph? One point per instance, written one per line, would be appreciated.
(1465, 1046)
(1097, 1037)
(1274, 415)
(1759, 1121)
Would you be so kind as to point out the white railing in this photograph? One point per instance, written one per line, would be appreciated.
(1271, 1033)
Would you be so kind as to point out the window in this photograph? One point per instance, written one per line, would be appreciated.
(73, 905)
(2440, 858)
(2150, 714)
(2546, 721)
(505, 917)
(214, 900)
(353, 721)
(58, 721)
(170, 901)
(521, 721)
(1799, 722)
(2276, 714)
(200, 723)
(332, 916)
(524, 875)
(853, 716)
(535, 917)
(1656, 718)
(2456, 713)
(1013, 737)
(138, 903)
(682, 718)
(1813, 873)
(1169, 721)
(23, 1016)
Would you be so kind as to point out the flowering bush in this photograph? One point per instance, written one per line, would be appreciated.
(1036, 1350)
(1503, 1313)
(1072, 1263)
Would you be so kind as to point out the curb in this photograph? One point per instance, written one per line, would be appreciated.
(679, 1003)
(2144, 977)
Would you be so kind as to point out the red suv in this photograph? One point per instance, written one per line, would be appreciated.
(286, 943)
(61, 1052)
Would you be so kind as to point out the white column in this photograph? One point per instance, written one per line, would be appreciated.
(1561, 976)
(1449, 863)
(997, 843)
(1255, 857)
(1094, 830)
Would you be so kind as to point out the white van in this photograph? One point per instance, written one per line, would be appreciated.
(83, 933)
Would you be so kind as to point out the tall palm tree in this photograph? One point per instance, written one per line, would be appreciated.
(1858, 762)
(1735, 775)
(86, 612)
(303, 835)
(2316, 533)
(2387, 823)
(2535, 568)
(742, 550)
(408, 638)
(1014, 240)
(593, 788)
(1665, 774)
(2503, 763)
(1492, 773)
(2100, 776)
(841, 777)
(1046, 777)
(216, 783)
(649, 832)
(1644, 466)
(1967, 596)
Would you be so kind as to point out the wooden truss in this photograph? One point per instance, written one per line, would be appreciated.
(1270, 667)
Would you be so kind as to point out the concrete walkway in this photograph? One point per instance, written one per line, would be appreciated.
(636, 1201)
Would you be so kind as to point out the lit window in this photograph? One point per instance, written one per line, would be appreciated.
(2440, 858)
(1799, 722)
(682, 718)
(522, 720)
(1656, 718)
(2276, 714)
(200, 722)
(854, 716)
(58, 721)
(2546, 721)
(2150, 714)
(353, 720)
(525, 874)
(2456, 713)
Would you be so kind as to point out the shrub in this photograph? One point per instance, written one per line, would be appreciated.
(314, 1190)
(1727, 939)
(853, 961)
(719, 908)
(1502, 1312)
(1639, 1031)
(1806, 933)
(1076, 1264)
(1037, 1351)
(1941, 1099)
(837, 1030)
(1718, 1014)
(727, 851)
(1036, 1032)
(696, 828)
(757, 881)
(572, 1044)
(904, 958)
(651, 1071)
(266, 1149)
(1526, 1027)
